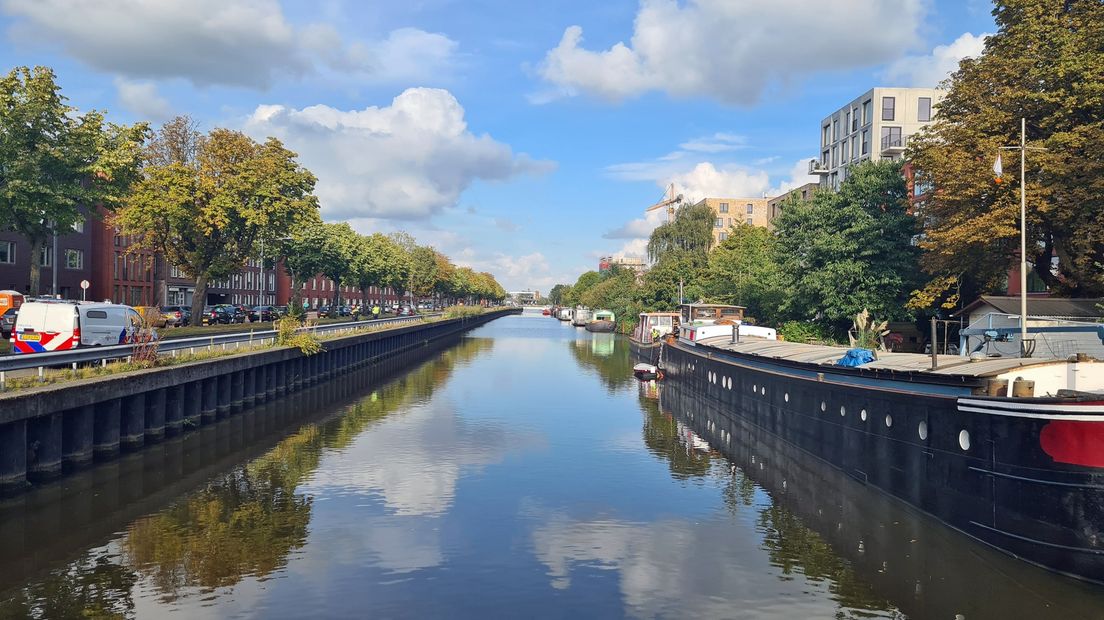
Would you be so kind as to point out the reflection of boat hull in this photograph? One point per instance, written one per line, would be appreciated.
(907, 559)
(601, 327)
(979, 465)
(646, 351)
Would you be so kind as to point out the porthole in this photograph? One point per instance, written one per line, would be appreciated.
(964, 439)
(787, 397)
(922, 430)
(823, 406)
(862, 415)
(843, 411)
(889, 421)
(754, 389)
(763, 390)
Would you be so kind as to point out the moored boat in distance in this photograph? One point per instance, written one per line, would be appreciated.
(647, 338)
(564, 314)
(582, 315)
(601, 321)
(1007, 450)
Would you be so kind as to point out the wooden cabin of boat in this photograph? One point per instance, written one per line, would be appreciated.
(691, 313)
(651, 323)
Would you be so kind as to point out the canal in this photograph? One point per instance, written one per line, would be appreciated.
(519, 471)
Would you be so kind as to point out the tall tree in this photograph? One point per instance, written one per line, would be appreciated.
(690, 231)
(207, 218)
(54, 161)
(1043, 64)
(742, 270)
(339, 247)
(379, 261)
(851, 250)
(445, 280)
(302, 255)
(423, 271)
(557, 294)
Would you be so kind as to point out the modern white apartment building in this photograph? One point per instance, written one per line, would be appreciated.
(875, 126)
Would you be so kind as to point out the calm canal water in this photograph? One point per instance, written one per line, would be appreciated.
(518, 472)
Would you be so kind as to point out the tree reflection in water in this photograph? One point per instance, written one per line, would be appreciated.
(608, 355)
(247, 522)
(791, 546)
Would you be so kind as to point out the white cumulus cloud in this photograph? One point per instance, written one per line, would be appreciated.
(247, 43)
(142, 99)
(731, 51)
(405, 161)
(931, 69)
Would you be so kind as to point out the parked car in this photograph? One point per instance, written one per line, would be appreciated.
(53, 326)
(324, 311)
(405, 311)
(175, 316)
(264, 313)
(223, 314)
(244, 310)
(7, 322)
(151, 315)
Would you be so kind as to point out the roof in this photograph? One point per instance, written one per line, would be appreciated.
(1085, 308)
(949, 365)
(712, 306)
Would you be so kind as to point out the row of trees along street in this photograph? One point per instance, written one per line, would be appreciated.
(207, 203)
(869, 246)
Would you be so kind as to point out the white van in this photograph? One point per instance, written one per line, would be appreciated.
(61, 326)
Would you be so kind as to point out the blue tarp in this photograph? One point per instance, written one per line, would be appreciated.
(856, 357)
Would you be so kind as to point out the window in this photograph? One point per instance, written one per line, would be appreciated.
(96, 314)
(46, 257)
(923, 112)
(719, 222)
(723, 236)
(889, 105)
(866, 112)
(865, 141)
(847, 121)
(824, 159)
(177, 273)
(854, 119)
(854, 148)
(843, 151)
(891, 137)
(835, 156)
(7, 252)
(826, 139)
(835, 129)
(78, 226)
(749, 221)
(724, 207)
(750, 208)
(74, 259)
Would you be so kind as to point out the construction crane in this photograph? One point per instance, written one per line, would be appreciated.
(670, 199)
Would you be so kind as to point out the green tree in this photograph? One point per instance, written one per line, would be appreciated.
(423, 271)
(585, 281)
(445, 276)
(618, 293)
(206, 217)
(691, 231)
(302, 256)
(742, 270)
(380, 261)
(844, 252)
(54, 162)
(340, 243)
(1043, 64)
(558, 293)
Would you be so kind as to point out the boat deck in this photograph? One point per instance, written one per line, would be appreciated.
(949, 365)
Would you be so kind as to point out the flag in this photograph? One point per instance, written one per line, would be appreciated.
(997, 170)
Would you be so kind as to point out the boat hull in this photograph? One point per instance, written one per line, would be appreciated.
(646, 351)
(977, 464)
(602, 327)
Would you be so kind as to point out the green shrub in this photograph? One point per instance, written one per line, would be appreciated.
(807, 333)
(287, 335)
(456, 312)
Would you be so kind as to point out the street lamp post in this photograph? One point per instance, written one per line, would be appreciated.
(1023, 148)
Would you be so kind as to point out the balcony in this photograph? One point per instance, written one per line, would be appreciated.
(816, 167)
(894, 145)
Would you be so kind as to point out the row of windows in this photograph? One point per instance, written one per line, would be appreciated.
(831, 133)
(723, 208)
(74, 259)
(720, 223)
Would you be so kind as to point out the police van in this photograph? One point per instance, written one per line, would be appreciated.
(62, 326)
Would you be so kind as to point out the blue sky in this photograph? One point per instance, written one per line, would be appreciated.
(523, 138)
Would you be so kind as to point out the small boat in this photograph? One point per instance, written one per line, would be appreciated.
(602, 321)
(582, 315)
(647, 372)
(647, 338)
(701, 321)
(546, 312)
(565, 314)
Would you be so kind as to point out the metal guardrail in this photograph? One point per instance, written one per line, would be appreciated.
(84, 355)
